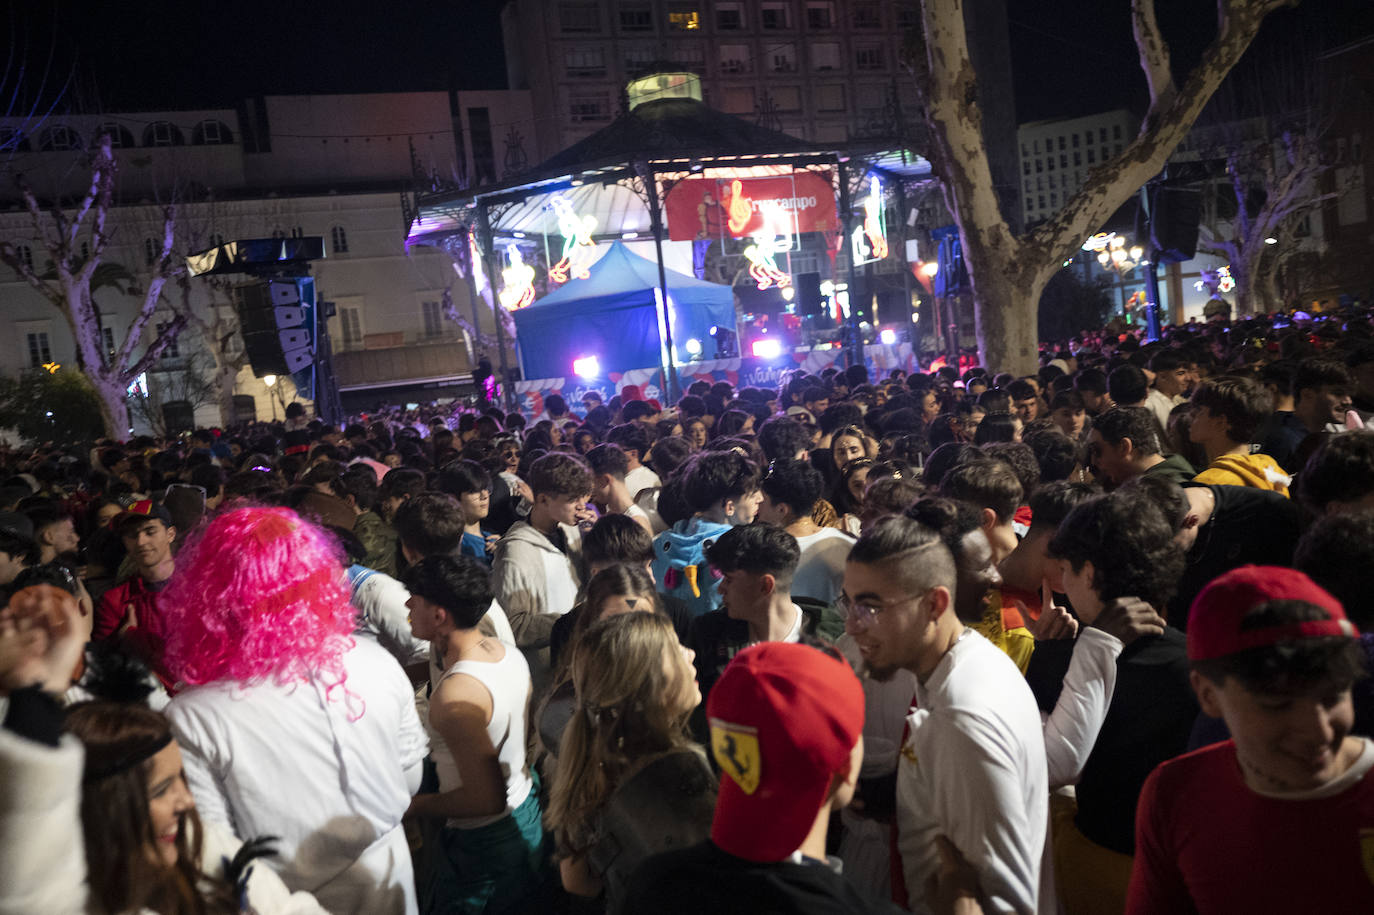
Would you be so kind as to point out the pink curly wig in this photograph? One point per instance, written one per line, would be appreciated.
(258, 594)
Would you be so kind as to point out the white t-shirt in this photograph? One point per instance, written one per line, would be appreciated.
(640, 479)
(973, 770)
(299, 763)
(820, 571)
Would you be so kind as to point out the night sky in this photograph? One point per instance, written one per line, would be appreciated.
(1070, 57)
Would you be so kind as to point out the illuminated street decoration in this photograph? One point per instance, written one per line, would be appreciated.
(873, 226)
(775, 237)
(517, 280)
(52, 367)
(1217, 281)
(1113, 252)
(578, 244)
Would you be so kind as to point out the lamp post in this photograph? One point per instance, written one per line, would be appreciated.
(271, 382)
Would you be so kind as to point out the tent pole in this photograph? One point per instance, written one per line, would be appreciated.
(670, 384)
(853, 342)
(488, 245)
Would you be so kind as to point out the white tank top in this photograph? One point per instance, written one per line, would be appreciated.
(508, 682)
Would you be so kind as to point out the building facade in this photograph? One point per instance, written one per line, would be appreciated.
(340, 167)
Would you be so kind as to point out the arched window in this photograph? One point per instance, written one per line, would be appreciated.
(338, 240)
(163, 133)
(58, 138)
(120, 137)
(211, 133)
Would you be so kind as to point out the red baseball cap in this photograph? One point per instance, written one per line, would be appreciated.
(141, 510)
(784, 721)
(1214, 620)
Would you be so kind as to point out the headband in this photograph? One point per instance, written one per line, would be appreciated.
(130, 758)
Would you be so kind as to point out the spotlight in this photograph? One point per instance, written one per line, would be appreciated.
(694, 347)
(714, 329)
(930, 269)
(587, 367)
(888, 336)
(1271, 240)
(767, 348)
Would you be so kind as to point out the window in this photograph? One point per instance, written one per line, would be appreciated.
(1053, 182)
(589, 106)
(826, 56)
(689, 56)
(684, 17)
(1077, 156)
(85, 250)
(434, 319)
(820, 14)
(638, 61)
(866, 16)
(58, 138)
(163, 133)
(829, 98)
(1041, 199)
(787, 98)
(1024, 152)
(150, 251)
(40, 352)
(211, 133)
(1025, 167)
(298, 232)
(729, 17)
(1103, 154)
(1102, 135)
(869, 58)
(338, 240)
(1063, 160)
(1039, 166)
(776, 15)
(25, 255)
(908, 16)
(107, 338)
(1037, 147)
(1116, 131)
(636, 17)
(351, 326)
(1030, 204)
(578, 17)
(1054, 199)
(734, 58)
(1061, 144)
(585, 62)
(1075, 140)
(783, 58)
(1092, 157)
(12, 139)
(1040, 183)
(173, 349)
(738, 100)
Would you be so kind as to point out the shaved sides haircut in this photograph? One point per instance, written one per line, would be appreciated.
(915, 554)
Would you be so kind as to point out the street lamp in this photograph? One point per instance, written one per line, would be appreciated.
(271, 381)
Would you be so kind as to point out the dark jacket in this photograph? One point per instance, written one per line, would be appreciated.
(705, 879)
(1175, 467)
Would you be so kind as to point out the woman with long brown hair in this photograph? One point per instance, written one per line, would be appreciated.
(146, 849)
(635, 687)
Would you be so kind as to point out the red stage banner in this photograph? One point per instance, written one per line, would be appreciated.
(706, 208)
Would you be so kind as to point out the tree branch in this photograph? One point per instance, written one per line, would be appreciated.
(9, 256)
(151, 299)
(102, 154)
(1153, 51)
(164, 339)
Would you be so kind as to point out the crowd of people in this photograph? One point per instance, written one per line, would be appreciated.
(1082, 641)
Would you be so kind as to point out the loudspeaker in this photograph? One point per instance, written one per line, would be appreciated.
(275, 324)
(178, 416)
(809, 298)
(1174, 216)
(893, 307)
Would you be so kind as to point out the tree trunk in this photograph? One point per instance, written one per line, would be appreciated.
(114, 405)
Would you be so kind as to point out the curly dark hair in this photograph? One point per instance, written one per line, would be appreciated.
(1340, 470)
(1337, 553)
(1130, 544)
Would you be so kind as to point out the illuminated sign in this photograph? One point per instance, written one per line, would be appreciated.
(869, 240)
(711, 208)
(517, 280)
(1219, 280)
(578, 245)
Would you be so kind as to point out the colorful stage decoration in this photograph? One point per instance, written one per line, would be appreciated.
(517, 280)
(875, 222)
(1219, 280)
(578, 245)
(712, 208)
(773, 237)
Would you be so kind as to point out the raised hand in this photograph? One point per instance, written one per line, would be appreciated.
(42, 639)
(1055, 622)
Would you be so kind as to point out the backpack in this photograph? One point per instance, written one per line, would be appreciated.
(680, 567)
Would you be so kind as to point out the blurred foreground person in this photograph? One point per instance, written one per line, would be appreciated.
(291, 727)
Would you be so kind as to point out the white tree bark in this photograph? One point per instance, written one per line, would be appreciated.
(1008, 272)
(69, 291)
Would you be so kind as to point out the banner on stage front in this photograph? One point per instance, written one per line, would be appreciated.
(712, 208)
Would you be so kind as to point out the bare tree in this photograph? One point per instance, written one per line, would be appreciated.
(1267, 125)
(60, 231)
(1008, 271)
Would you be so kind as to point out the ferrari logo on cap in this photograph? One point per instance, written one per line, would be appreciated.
(736, 749)
(1367, 852)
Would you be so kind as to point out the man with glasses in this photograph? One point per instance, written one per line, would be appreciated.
(972, 768)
